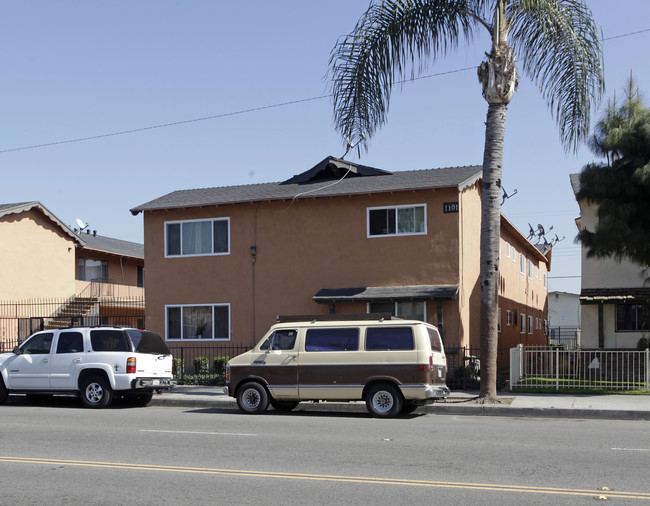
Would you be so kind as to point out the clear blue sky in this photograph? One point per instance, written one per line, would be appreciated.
(77, 69)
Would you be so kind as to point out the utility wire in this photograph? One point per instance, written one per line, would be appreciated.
(246, 111)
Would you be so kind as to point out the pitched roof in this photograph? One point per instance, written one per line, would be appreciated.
(320, 181)
(113, 246)
(21, 207)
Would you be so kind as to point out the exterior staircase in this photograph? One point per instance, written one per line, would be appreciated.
(74, 309)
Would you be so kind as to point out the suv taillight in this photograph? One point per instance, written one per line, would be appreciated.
(227, 374)
(130, 365)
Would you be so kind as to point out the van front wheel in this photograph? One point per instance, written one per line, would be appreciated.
(252, 398)
(384, 400)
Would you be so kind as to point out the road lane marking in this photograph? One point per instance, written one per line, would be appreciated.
(330, 478)
(632, 449)
(198, 432)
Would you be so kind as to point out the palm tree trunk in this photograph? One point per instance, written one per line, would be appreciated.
(495, 127)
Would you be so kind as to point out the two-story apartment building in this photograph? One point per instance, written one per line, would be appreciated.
(339, 238)
(53, 275)
(614, 310)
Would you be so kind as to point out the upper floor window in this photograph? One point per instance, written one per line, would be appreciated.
(522, 263)
(92, 270)
(197, 237)
(397, 220)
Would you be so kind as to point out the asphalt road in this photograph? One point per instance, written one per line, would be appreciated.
(64, 454)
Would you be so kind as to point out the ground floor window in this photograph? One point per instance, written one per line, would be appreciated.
(632, 317)
(409, 310)
(201, 321)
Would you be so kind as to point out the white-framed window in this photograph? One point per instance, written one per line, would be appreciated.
(522, 323)
(397, 220)
(530, 324)
(197, 237)
(409, 310)
(198, 321)
(530, 269)
(514, 254)
(545, 280)
(522, 263)
(508, 318)
(507, 249)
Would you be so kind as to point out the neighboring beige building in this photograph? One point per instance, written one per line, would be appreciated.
(52, 275)
(613, 294)
(340, 238)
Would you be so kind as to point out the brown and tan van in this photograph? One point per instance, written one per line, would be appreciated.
(393, 365)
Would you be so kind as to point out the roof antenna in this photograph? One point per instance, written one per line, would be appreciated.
(80, 224)
(351, 145)
(505, 195)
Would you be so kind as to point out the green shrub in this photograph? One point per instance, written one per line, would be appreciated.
(177, 367)
(220, 365)
(643, 344)
(201, 365)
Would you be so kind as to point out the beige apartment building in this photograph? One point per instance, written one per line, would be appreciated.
(339, 238)
(54, 275)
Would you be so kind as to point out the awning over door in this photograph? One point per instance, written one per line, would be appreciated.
(386, 293)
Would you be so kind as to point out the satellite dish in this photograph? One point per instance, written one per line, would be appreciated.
(81, 224)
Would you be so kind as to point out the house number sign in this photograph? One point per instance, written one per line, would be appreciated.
(450, 207)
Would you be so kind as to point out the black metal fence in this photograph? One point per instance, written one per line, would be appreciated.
(464, 368)
(564, 336)
(199, 363)
(19, 319)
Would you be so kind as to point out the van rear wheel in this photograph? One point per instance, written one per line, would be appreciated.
(384, 400)
(252, 398)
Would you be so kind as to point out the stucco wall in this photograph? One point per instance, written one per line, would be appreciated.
(302, 246)
(37, 260)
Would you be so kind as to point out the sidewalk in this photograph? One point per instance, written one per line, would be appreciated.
(607, 407)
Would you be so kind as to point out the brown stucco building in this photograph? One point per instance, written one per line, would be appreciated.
(223, 262)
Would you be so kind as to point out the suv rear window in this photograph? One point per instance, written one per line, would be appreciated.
(389, 338)
(109, 340)
(148, 342)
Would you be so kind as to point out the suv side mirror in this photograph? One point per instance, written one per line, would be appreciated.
(16, 350)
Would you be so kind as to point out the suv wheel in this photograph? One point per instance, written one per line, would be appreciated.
(3, 392)
(384, 400)
(96, 392)
(252, 398)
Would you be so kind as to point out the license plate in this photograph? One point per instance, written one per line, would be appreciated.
(156, 382)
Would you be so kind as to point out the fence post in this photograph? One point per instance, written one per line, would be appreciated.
(557, 369)
(515, 365)
(647, 370)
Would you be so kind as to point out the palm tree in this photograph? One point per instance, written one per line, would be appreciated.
(558, 46)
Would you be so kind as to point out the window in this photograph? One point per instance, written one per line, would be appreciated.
(39, 344)
(632, 317)
(545, 279)
(332, 339)
(514, 255)
(530, 324)
(192, 238)
(70, 342)
(499, 320)
(522, 264)
(508, 318)
(109, 340)
(206, 321)
(411, 310)
(92, 270)
(507, 249)
(389, 338)
(140, 275)
(397, 220)
(522, 321)
(530, 269)
(280, 340)
(434, 337)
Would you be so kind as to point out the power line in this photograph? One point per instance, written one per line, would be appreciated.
(246, 111)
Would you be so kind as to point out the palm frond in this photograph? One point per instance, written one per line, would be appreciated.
(560, 51)
(392, 40)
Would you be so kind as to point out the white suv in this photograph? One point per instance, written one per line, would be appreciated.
(95, 363)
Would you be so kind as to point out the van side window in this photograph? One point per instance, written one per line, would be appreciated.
(346, 339)
(389, 338)
(280, 340)
(435, 339)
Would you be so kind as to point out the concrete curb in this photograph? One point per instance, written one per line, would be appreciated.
(455, 409)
